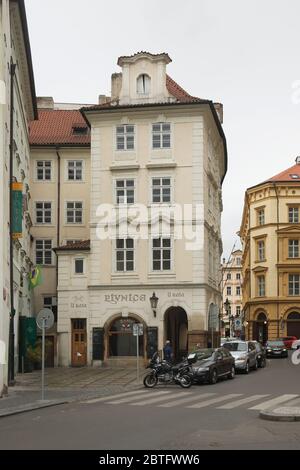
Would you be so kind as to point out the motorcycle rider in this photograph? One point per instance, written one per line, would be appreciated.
(168, 352)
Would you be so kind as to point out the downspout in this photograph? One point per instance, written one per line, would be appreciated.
(11, 355)
(277, 272)
(58, 211)
(250, 270)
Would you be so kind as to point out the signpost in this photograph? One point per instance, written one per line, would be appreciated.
(213, 320)
(44, 320)
(138, 330)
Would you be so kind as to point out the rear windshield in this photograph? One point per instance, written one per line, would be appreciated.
(235, 346)
(275, 343)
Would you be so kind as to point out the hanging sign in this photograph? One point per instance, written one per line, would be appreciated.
(17, 209)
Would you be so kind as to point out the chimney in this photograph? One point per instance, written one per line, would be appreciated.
(102, 99)
(45, 102)
(219, 109)
(297, 161)
(116, 85)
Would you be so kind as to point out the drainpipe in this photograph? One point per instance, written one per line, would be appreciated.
(250, 271)
(11, 354)
(58, 210)
(277, 272)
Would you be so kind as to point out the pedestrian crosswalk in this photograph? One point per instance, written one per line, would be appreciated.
(194, 400)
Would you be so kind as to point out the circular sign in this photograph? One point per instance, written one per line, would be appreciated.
(45, 318)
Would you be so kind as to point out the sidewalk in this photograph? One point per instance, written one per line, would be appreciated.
(286, 413)
(64, 385)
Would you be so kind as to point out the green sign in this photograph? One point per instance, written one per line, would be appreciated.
(17, 207)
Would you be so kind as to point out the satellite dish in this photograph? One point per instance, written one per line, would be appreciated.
(45, 318)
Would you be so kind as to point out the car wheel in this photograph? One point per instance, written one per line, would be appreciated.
(247, 368)
(255, 367)
(263, 363)
(231, 374)
(213, 377)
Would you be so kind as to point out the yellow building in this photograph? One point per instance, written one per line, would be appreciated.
(270, 234)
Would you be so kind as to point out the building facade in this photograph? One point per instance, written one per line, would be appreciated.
(271, 262)
(154, 149)
(17, 108)
(60, 196)
(232, 292)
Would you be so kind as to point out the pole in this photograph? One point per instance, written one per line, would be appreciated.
(137, 358)
(43, 360)
(212, 337)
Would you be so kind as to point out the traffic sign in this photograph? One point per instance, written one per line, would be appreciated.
(237, 324)
(45, 318)
(138, 329)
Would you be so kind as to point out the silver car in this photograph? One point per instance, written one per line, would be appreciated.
(244, 353)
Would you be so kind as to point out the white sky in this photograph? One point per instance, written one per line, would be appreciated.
(245, 54)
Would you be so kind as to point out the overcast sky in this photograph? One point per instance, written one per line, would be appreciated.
(245, 54)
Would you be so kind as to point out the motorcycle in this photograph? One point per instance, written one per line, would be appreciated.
(163, 373)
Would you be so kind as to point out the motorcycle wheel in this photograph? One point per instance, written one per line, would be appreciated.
(150, 381)
(185, 381)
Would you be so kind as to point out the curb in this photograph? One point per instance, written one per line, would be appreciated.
(31, 407)
(283, 414)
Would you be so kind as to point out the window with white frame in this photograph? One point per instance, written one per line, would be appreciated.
(261, 216)
(238, 311)
(43, 170)
(43, 212)
(161, 190)
(228, 277)
(261, 250)
(143, 84)
(125, 255)
(293, 215)
(43, 252)
(75, 170)
(50, 302)
(238, 261)
(261, 284)
(238, 290)
(293, 248)
(74, 212)
(294, 284)
(125, 137)
(161, 135)
(228, 290)
(161, 254)
(79, 266)
(125, 191)
(238, 276)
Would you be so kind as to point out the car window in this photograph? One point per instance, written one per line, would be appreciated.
(235, 346)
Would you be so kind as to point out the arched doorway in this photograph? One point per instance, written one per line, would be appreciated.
(293, 324)
(121, 341)
(260, 328)
(176, 330)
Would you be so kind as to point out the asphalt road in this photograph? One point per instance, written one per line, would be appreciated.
(203, 417)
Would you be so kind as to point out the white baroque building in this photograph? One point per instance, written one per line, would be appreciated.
(152, 146)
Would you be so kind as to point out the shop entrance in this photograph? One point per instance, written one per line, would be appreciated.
(260, 328)
(121, 342)
(176, 331)
(293, 324)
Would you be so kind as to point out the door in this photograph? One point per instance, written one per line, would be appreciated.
(79, 343)
(220, 363)
(49, 351)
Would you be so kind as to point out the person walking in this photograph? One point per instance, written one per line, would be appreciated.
(168, 352)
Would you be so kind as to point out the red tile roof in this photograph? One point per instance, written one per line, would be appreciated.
(55, 127)
(82, 245)
(291, 174)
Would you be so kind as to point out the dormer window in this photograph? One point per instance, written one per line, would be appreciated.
(143, 84)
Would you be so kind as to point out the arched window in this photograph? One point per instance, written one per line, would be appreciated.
(294, 316)
(143, 84)
(261, 317)
(121, 339)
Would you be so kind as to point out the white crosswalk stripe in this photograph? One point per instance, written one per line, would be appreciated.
(275, 401)
(119, 395)
(136, 397)
(213, 401)
(158, 399)
(182, 401)
(242, 401)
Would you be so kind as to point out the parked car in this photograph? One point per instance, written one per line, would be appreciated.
(244, 353)
(276, 348)
(211, 364)
(226, 340)
(261, 354)
(288, 341)
(296, 344)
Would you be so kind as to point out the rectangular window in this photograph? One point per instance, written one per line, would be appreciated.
(79, 266)
(293, 215)
(51, 303)
(294, 284)
(261, 216)
(238, 276)
(261, 282)
(293, 248)
(125, 255)
(43, 170)
(228, 277)
(43, 212)
(43, 252)
(74, 212)
(238, 261)
(261, 250)
(161, 190)
(238, 291)
(238, 311)
(75, 170)
(125, 190)
(161, 254)
(228, 290)
(161, 135)
(125, 137)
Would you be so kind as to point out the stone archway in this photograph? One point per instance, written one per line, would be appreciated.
(293, 324)
(260, 328)
(176, 330)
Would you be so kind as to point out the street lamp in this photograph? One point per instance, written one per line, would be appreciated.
(228, 312)
(153, 303)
